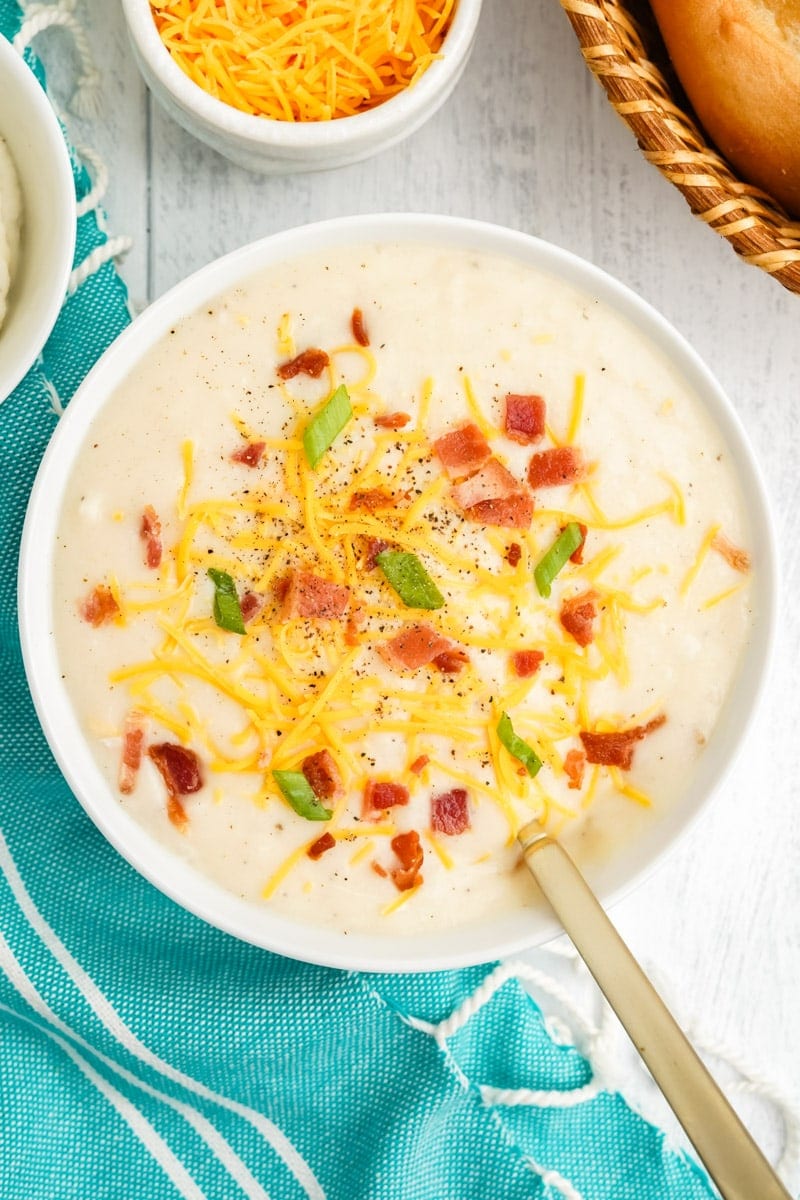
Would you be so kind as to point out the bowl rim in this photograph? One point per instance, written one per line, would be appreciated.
(398, 110)
(249, 922)
(17, 74)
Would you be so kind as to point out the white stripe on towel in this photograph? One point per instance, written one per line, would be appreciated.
(218, 1145)
(108, 1015)
(156, 1145)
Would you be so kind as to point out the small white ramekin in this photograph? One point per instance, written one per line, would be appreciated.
(283, 147)
(36, 143)
(499, 935)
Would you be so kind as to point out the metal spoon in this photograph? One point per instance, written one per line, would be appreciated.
(731, 1157)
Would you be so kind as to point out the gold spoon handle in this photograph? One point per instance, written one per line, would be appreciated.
(730, 1155)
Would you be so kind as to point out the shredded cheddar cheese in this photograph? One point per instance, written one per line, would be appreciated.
(626, 789)
(286, 344)
(702, 554)
(589, 793)
(187, 455)
(720, 597)
(399, 901)
(311, 61)
(277, 878)
(440, 852)
(480, 419)
(362, 852)
(116, 592)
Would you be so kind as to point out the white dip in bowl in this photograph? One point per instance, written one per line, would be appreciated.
(185, 451)
(10, 224)
(37, 218)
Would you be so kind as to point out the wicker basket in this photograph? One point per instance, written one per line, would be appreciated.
(624, 50)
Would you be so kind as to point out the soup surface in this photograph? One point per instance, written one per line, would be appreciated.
(384, 552)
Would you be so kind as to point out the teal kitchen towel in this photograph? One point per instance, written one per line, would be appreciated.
(145, 1054)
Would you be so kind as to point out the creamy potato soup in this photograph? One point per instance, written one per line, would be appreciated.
(382, 553)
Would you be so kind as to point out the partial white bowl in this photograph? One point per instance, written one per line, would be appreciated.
(283, 147)
(256, 923)
(36, 143)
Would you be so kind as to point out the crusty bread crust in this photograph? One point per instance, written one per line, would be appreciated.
(739, 61)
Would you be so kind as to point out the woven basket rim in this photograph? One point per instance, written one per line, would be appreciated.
(614, 43)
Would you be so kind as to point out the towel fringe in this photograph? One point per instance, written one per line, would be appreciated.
(600, 1039)
(115, 247)
(98, 173)
(599, 1036)
(85, 100)
(85, 103)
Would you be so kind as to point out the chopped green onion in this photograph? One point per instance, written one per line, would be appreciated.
(227, 612)
(323, 429)
(406, 574)
(559, 553)
(517, 747)
(296, 789)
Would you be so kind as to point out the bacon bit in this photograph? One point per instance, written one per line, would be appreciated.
(450, 812)
(309, 362)
(249, 455)
(395, 420)
(419, 764)
(574, 765)
(371, 499)
(413, 647)
(615, 749)
(375, 546)
(179, 767)
(177, 813)
(450, 662)
(280, 588)
(513, 554)
(132, 747)
(734, 556)
(578, 616)
(552, 468)
(514, 512)
(524, 418)
(525, 663)
(180, 770)
(577, 555)
(359, 328)
(251, 606)
(462, 451)
(308, 595)
(493, 496)
(380, 795)
(379, 870)
(320, 846)
(99, 607)
(323, 775)
(407, 848)
(150, 533)
(492, 482)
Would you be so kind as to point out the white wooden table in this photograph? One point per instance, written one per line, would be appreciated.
(528, 140)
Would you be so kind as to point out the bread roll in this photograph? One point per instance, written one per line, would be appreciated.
(739, 61)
